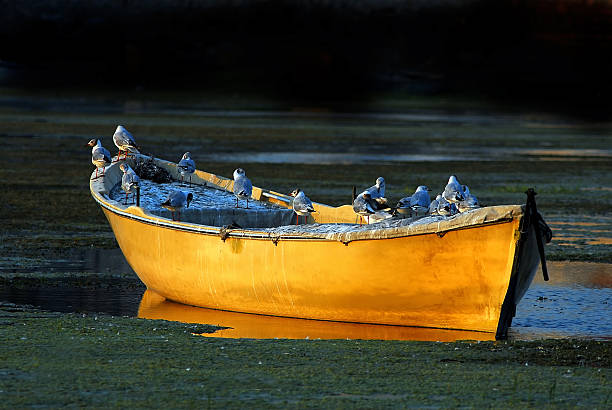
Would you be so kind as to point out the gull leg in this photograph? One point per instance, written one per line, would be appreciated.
(236, 202)
(247, 203)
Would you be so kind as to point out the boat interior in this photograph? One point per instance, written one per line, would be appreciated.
(271, 211)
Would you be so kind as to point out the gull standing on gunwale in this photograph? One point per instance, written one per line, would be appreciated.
(242, 186)
(364, 205)
(186, 166)
(176, 201)
(418, 202)
(377, 193)
(470, 201)
(129, 181)
(302, 205)
(100, 156)
(124, 141)
(453, 192)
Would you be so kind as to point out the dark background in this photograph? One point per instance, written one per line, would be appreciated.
(552, 55)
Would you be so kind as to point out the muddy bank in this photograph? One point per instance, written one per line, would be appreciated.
(124, 362)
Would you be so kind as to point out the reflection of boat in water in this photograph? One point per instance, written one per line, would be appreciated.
(466, 272)
(244, 325)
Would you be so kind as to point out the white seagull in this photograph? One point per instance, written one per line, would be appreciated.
(124, 141)
(453, 192)
(433, 206)
(377, 193)
(242, 186)
(420, 201)
(302, 205)
(129, 181)
(441, 206)
(186, 166)
(364, 205)
(470, 201)
(100, 156)
(176, 201)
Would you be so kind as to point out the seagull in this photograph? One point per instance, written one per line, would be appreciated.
(364, 205)
(377, 190)
(242, 186)
(404, 202)
(377, 193)
(433, 206)
(441, 206)
(420, 201)
(302, 205)
(100, 156)
(124, 141)
(129, 181)
(453, 192)
(186, 166)
(176, 201)
(470, 201)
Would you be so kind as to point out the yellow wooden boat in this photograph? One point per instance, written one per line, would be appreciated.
(467, 272)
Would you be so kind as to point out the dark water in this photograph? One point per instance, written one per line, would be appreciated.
(576, 302)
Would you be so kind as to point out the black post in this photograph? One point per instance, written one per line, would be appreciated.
(138, 196)
(532, 213)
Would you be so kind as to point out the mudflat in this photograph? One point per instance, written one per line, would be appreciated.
(57, 359)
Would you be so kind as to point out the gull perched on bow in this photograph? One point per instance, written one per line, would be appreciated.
(242, 186)
(186, 166)
(129, 181)
(100, 156)
(124, 141)
(364, 205)
(176, 201)
(453, 192)
(470, 201)
(302, 205)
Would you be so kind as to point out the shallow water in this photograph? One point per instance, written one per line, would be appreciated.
(574, 303)
(433, 154)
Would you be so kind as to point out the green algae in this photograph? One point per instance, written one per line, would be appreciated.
(104, 361)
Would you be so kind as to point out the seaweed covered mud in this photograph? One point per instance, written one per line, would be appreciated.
(50, 227)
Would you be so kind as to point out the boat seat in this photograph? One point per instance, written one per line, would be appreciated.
(245, 218)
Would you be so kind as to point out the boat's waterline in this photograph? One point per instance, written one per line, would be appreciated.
(454, 278)
(253, 326)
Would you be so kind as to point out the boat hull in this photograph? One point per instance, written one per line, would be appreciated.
(465, 273)
(458, 280)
